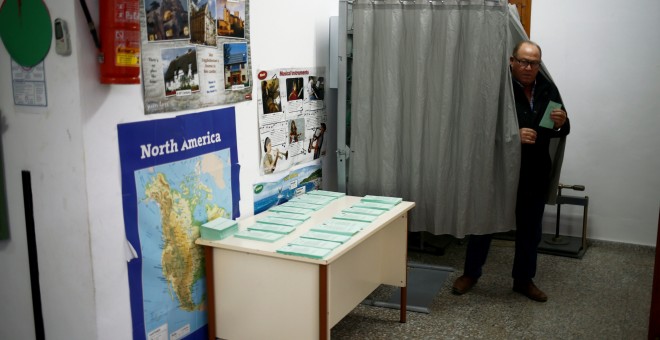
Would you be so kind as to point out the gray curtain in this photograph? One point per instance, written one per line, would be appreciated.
(433, 115)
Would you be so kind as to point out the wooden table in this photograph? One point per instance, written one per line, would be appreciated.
(256, 293)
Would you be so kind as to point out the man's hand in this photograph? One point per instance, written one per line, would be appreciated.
(527, 136)
(559, 117)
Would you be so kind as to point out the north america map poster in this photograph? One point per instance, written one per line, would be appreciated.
(177, 173)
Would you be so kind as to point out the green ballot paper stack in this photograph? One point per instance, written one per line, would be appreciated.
(218, 229)
(272, 228)
(364, 211)
(310, 252)
(313, 199)
(327, 193)
(258, 235)
(315, 243)
(374, 205)
(326, 236)
(354, 217)
(291, 209)
(340, 227)
(382, 199)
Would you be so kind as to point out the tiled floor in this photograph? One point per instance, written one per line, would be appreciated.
(604, 295)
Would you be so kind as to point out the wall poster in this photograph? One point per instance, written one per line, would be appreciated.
(195, 53)
(286, 185)
(292, 118)
(177, 174)
(4, 213)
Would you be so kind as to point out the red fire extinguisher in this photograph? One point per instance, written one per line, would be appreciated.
(120, 41)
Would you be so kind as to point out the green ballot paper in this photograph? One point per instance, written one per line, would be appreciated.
(546, 122)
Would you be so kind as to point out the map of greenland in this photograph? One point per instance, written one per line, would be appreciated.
(174, 200)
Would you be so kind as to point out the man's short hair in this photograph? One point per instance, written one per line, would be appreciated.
(523, 42)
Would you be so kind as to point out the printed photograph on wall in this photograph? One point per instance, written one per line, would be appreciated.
(294, 88)
(296, 130)
(167, 20)
(272, 155)
(270, 92)
(202, 22)
(231, 18)
(315, 88)
(236, 70)
(316, 142)
(180, 71)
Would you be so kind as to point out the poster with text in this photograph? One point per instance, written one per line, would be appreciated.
(177, 174)
(195, 54)
(292, 118)
(286, 185)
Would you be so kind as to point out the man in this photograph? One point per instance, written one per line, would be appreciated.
(533, 93)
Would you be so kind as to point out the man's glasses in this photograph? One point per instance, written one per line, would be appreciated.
(525, 63)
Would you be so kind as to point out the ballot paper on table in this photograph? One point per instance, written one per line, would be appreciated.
(310, 242)
(546, 122)
(364, 211)
(271, 219)
(302, 205)
(339, 229)
(354, 217)
(258, 235)
(290, 216)
(218, 229)
(326, 193)
(272, 228)
(318, 235)
(311, 252)
(381, 199)
(291, 210)
(313, 199)
(339, 222)
(374, 205)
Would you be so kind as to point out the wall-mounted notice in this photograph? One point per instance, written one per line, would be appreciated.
(195, 53)
(177, 174)
(292, 117)
(4, 214)
(29, 84)
(286, 185)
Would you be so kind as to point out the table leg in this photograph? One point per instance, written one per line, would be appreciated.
(210, 293)
(403, 304)
(323, 302)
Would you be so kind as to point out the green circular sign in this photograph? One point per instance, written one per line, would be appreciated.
(26, 30)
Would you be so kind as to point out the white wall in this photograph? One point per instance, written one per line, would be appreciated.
(47, 142)
(71, 148)
(604, 59)
(604, 56)
(272, 46)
